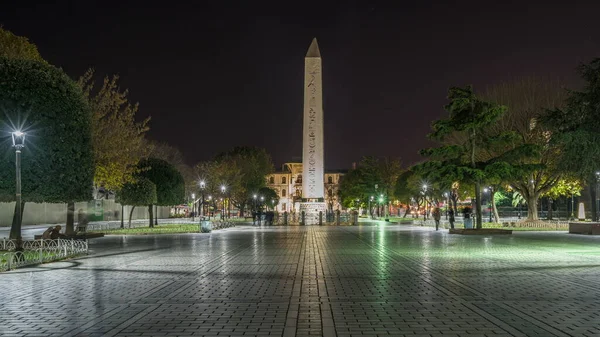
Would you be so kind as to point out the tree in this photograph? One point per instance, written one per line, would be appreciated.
(117, 138)
(18, 47)
(243, 170)
(173, 156)
(469, 116)
(57, 162)
(372, 177)
(170, 187)
(576, 130)
(141, 192)
(271, 198)
(528, 162)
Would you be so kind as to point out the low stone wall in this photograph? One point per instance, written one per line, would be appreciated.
(46, 213)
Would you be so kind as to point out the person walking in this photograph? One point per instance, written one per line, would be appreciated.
(451, 218)
(437, 215)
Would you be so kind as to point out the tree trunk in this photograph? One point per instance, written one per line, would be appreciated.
(122, 224)
(478, 204)
(550, 202)
(494, 208)
(70, 227)
(477, 184)
(150, 210)
(130, 215)
(593, 196)
(15, 229)
(532, 207)
(156, 215)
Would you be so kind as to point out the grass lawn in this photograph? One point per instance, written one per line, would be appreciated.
(161, 229)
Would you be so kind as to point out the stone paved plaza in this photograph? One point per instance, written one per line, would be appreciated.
(323, 281)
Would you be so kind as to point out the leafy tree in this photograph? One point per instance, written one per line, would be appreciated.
(57, 162)
(528, 161)
(170, 187)
(373, 177)
(117, 138)
(141, 192)
(173, 156)
(271, 198)
(576, 129)
(243, 170)
(469, 117)
(18, 47)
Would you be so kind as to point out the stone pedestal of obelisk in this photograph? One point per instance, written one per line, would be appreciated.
(313, 187)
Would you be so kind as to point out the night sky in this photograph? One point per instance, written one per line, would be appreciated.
(218, 74)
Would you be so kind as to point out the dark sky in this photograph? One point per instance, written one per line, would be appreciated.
(218, 74)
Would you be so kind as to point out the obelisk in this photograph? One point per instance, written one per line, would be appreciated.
(313, 195)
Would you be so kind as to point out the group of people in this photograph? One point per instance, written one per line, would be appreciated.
(437, 216)
(268, 217)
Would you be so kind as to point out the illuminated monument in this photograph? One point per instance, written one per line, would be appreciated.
(313, 196)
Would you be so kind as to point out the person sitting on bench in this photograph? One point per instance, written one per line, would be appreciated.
(47, 233)
(56, 234)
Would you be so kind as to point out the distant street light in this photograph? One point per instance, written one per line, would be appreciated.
(202, 186)
(18, 141)
(193, 205)
(223, 188)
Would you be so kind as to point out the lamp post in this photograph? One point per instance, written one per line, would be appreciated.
(262, 199)
(446, 195)
(223, 203)
(209, 200)
(193, 205)
(370, 210)
(18, 141)
(202, 186)
(425, 201)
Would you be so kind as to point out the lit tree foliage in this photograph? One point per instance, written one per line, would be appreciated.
(469, 116)
(117, 138)
(170, 187)
(528, 162)
(141, 192)
(57, 162)
(372, 177)
(18, 47)
(576, 129)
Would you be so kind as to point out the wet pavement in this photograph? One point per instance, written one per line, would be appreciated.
(389, 280)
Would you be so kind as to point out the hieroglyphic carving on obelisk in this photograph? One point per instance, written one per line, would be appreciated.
(312, 145)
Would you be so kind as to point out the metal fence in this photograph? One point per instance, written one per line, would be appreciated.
(38, 251)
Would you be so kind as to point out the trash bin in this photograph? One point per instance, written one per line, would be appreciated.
(205, 226)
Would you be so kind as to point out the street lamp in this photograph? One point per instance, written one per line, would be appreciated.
(370, 210)
(193, 205)
(18, 141)
(223, 188)
(446, 195)
(425, 201)
(202, 187)
(208, 209)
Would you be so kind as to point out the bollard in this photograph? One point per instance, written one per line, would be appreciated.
(303, 218)
(337, 217)
(285, 218)
(320, 218)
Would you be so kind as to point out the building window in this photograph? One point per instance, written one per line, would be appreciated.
(299, 179)
(283, 180)
(271, 180)
(283, 193)
(330, 180)
(283, 207)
